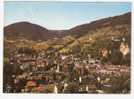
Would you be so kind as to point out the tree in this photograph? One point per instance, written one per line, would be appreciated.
(115, 57)
(119, 84)
(72, 88)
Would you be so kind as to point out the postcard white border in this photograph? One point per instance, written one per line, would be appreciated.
(66, 96)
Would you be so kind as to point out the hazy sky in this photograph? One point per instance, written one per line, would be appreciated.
(60, 15)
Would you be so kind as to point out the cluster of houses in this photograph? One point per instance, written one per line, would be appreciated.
(58, 73)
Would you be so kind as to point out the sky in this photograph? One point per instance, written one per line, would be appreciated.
(61, 15)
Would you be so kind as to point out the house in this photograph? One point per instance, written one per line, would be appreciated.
(124, 48)
(104, 52)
